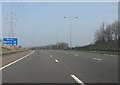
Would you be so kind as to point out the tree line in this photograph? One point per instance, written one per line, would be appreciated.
(60, 45)
(107, 33)
(107, 38)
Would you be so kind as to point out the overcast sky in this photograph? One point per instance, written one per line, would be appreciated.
(36, 21)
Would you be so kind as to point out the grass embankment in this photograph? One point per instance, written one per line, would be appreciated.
(6, 51)
(101, 48)
(97, 52)
(101, 52)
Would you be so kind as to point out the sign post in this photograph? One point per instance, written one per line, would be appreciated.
(10, 42)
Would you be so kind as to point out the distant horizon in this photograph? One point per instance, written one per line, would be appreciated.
(36, 21)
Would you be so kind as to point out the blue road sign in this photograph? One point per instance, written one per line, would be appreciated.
(10, 41)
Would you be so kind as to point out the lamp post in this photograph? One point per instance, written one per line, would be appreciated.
(57, 37)
(70, 18)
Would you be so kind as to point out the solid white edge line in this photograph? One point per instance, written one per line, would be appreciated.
(76, 79)
(15, 61)
(97, 59)
(56, 60)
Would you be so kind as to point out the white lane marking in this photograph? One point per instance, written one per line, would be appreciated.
(50, 55)
(56, 60)
(78, 80)
(66, 53)
(16, 60)
(97, 59)
(76, 54)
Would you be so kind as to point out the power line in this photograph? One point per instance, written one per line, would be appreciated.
(11, 22)
(18, 6)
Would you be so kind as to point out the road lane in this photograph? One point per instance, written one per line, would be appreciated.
(37, 68)
(47, 66)
(88, 69)
(15, 61)
(6, 59)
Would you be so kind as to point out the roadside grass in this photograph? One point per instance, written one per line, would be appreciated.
(103, 52)
(97, 52)
(8, 51)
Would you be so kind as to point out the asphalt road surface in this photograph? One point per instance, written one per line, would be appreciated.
(51, 66)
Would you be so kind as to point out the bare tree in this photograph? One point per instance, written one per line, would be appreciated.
(115, 30)
(108, 33)
(100, 34)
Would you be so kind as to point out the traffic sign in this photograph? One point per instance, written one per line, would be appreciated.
(10, 41)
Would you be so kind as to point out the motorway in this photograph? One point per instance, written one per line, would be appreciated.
(54, 66)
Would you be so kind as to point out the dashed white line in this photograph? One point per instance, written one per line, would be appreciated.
(16, 61)
(56, 60)
(97, 59)
(66, 53)
(77, 80)
(50, 55)
(76, 54)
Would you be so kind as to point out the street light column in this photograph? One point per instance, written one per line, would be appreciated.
(70, 30)
(57, 38)
(70, 33)
(57, 30)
